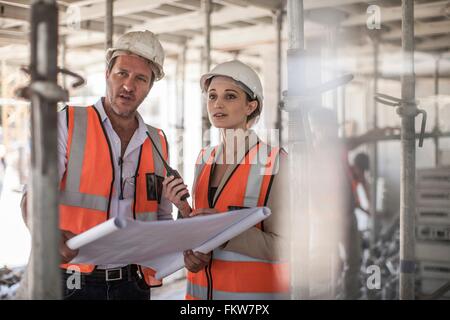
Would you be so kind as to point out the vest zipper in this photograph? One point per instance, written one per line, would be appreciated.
(209, 278)
(121, 178)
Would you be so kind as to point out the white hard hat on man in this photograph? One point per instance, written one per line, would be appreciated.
(141, 43)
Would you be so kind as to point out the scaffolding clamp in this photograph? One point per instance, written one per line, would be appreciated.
(405, 108)
(79, 79)
(291, 103)
(308, 95)
(48, 89)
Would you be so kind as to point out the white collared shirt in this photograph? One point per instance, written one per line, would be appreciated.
(119, 208)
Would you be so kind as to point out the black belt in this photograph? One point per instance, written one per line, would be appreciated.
(130, 272)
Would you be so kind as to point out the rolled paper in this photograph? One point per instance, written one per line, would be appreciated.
(97, 232)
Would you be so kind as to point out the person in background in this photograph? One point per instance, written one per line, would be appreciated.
(357, 174)
(2, 165)
(335, 230)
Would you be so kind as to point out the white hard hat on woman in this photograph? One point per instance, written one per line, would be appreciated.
(246, 78)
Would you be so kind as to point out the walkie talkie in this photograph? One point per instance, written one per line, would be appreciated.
(170, 171)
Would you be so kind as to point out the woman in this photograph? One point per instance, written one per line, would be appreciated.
(241, 172)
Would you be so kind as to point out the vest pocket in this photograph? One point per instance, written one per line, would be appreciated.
(154, 186)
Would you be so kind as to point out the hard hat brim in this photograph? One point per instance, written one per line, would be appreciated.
(209, 76)
(156, 67)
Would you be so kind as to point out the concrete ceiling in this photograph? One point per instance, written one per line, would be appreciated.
(238, 26)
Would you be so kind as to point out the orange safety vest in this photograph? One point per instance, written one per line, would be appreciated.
(87, 184)
(351, 179)
(231, 275)
(353, 185)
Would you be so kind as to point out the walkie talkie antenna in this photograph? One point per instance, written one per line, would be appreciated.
(170, 171)
(168, 168)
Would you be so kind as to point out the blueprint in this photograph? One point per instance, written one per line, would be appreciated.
(160, 244)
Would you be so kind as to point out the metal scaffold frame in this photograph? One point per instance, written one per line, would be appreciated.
(109, 23)
(407, 110)
(436, 128)
(297, 157)
(206, 59)
(44, 93)
(373, 148)
(44, 274)
(298, 99)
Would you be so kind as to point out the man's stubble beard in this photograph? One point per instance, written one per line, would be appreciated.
(115, 110)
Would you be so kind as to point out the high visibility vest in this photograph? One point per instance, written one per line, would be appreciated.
(353, 185)
(231, 275)
(87, 185)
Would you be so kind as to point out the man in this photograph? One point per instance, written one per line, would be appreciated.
(108, 167)
(332, 211)
(357, 174)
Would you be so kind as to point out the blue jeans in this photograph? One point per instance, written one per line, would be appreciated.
(95, 288)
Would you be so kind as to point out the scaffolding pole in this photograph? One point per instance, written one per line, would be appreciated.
(373, 147)
(344, 111)
(278, 17)
(44, 93)
(408, 112)
(436, 111)
(64, 60)
(109, 24)
(181, 76)
(332, 56)
(298, 152)
(4, 114)
(206, 59)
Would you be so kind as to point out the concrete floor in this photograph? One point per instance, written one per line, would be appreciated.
(172, 290)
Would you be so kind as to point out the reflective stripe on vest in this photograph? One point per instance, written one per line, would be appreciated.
(87, 201)
(237, 273)
(75, 161)
(84, 195)
(234, 256)
(147, 216)
(258, 166)
(196, 292)
(256, 177)
(203, 157)
(157, 137)
(236, 276)
(149, 161)
(85, 190)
